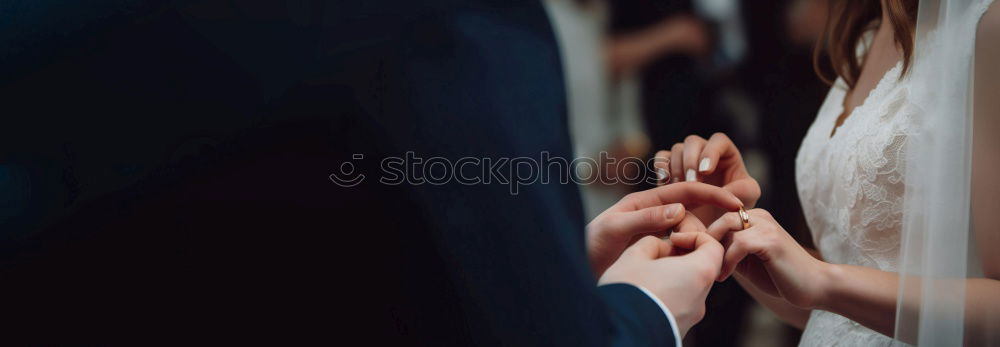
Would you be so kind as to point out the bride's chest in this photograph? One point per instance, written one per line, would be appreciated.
(851, 184)
(868, 148)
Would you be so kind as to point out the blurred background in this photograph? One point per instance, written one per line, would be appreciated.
(643, 74)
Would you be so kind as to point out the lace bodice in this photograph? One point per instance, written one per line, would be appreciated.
(851, 188)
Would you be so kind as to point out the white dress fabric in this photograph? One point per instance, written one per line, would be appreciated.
(851, 187)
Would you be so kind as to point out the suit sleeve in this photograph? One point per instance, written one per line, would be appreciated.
(639, 318)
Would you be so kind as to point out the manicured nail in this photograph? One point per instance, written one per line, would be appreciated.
(690, 176)
(661, 174)
(672, 210)
(703, 165)
(675, 180)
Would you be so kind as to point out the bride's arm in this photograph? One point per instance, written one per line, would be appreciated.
(862, 294)
(983, 295)
(788, 313)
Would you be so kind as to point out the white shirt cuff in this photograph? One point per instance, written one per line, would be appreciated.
(666, 311)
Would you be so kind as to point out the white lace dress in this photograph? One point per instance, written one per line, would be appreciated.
(851, 188)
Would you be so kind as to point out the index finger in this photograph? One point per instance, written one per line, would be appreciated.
(688, 193)
(719, 147)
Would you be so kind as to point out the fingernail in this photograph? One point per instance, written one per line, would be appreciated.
(661, 174)
(672, 210)
(690, 176)
(703, 165)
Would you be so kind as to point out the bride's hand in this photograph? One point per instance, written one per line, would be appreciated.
(650, 212)
(767, 256)
(715, 161)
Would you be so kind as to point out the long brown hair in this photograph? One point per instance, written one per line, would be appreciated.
(848, 21)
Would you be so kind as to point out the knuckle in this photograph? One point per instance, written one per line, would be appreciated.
(690, 224)
(731, 223)
(653, 216)
(720, 136)
(766, 230)
(770, 239)
(699, 313)
(596, 223)
(599, 225)
(739, 241)
(762, 213)
(705, 270)
(661, 159)
(631, 196)
(733, 217)
(708, 274)
(677, 147)
(693, 138)
(754, 187)
(647, 240)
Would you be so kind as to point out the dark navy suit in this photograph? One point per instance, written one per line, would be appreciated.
(179, 157)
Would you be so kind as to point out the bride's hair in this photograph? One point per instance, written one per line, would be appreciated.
(848, 21)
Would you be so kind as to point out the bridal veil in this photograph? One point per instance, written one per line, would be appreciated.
(938, 251)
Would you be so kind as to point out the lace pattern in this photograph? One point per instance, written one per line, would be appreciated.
(851, 184)
(851, 187)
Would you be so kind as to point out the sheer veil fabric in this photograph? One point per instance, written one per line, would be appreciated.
(937, 252)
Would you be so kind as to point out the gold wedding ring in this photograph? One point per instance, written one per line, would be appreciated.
(745, 218)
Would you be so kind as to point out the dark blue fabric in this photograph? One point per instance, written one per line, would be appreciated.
(643, 323)
(178, 156)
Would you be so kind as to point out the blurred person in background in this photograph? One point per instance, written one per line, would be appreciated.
(694, 90)
(602, 86)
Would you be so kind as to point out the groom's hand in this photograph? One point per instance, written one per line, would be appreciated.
(679, 272)
(650, 212)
